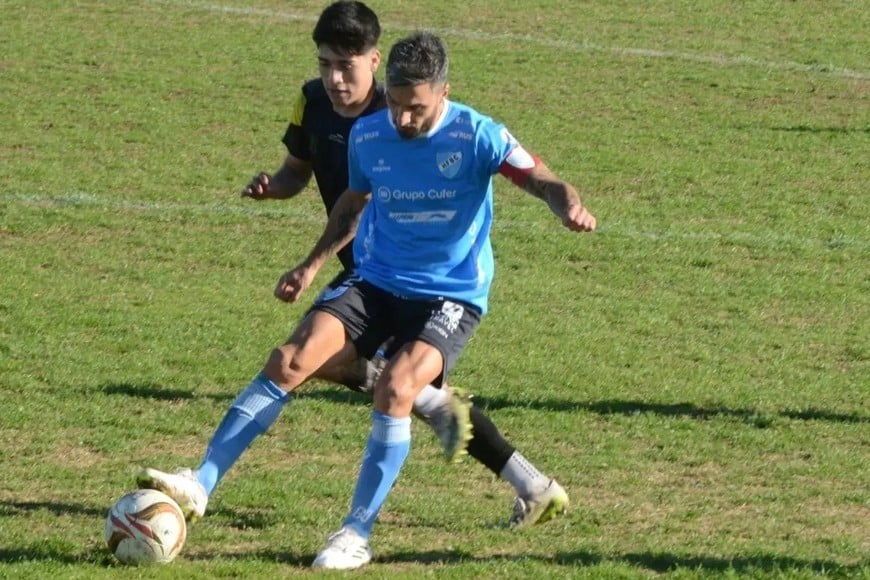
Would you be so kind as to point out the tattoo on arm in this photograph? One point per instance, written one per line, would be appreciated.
(546, 186)
(543, 189)
(347, 220)
(340, 227)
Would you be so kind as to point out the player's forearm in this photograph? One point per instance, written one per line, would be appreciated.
(340, 228)
(287, 182)
(556, 193)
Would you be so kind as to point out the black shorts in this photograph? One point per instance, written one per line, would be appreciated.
(373, 317)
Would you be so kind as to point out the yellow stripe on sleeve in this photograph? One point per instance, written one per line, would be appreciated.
(298, 110)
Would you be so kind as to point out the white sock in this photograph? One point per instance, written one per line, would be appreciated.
(523, 476)
(431, 403)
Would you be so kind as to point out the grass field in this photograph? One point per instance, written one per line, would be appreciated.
(696, 373)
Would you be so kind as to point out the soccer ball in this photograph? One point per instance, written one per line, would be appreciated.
(145, 526)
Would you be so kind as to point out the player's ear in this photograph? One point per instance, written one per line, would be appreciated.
(376, 59)
(445, 91)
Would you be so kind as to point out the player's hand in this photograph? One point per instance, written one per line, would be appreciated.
(577, 219)
(258, 188)
(293, 283)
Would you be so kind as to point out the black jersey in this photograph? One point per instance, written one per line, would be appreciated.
(318, 134)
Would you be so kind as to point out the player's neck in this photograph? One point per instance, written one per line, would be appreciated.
(354, 110)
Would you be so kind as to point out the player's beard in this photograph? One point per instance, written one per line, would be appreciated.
(414, 131)
(409, 132)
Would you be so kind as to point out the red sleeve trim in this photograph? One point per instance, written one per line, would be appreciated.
(518, 167)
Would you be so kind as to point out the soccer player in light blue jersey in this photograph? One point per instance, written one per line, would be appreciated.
(346, 36)
(419, 202)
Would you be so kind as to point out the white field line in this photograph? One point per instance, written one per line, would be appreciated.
(526, 39)
(298, 213)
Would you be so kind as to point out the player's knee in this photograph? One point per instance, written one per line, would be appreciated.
(282, 367)
(394, 394)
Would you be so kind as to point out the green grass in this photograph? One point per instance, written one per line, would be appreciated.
(696, 373)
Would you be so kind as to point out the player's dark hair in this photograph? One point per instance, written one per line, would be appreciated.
(417, 59)
(347, 27)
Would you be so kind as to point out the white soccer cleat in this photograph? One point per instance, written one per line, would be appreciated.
(539, 508)
(345, 550)
(182, 486)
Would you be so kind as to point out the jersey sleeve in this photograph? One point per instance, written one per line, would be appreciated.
(497, 144)
(506, 156)
(296, 138)
(356, 178)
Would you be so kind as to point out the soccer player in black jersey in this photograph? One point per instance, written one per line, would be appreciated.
(346, 36)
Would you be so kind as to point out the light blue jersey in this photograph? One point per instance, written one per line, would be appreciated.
(425, 232)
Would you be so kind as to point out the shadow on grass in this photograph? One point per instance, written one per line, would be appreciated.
(810, 129)
(616, 407)
(99, 556)
(19, 508)
(153, 392)
(318, 391)
(298, 560)
(53, 549)
(689, 410)
(654, 562)
(243, 519)
(334, 394)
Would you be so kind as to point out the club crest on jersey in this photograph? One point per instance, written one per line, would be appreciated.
(449, 163)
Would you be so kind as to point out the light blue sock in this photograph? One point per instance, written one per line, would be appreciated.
(250, 415)
(386, 450)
